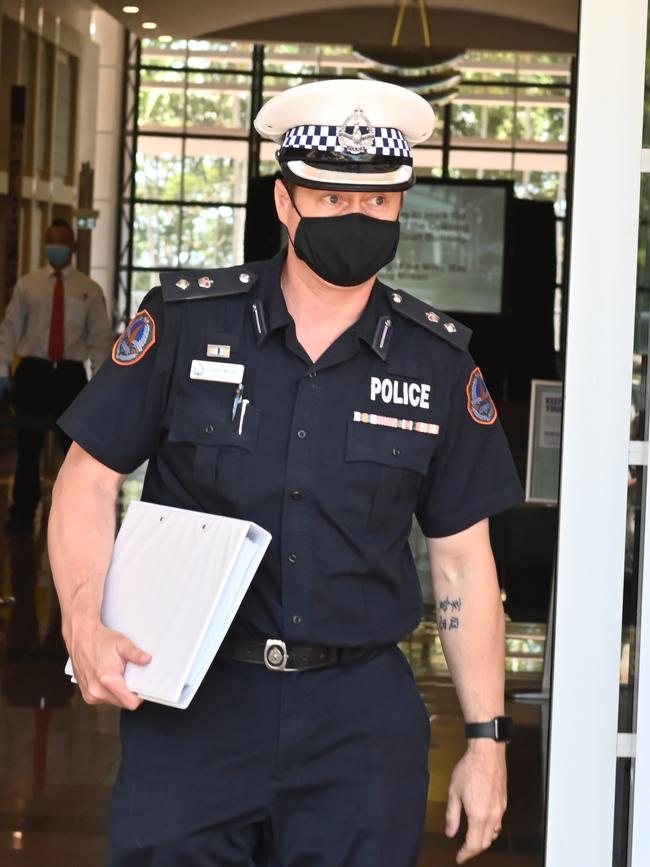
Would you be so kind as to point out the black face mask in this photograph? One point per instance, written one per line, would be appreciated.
(346, 250)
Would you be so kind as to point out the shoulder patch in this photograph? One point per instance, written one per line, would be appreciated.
(210, 283)
(136, 340)
(480, 405)
(437, 323)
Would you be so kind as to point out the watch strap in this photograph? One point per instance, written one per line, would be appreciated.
(500, 729)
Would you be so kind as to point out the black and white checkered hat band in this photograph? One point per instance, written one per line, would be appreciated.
(388, 142)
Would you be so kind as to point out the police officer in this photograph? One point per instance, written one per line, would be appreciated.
(358, 407)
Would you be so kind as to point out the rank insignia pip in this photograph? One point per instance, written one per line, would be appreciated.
(205, 282)
(136, 340)
(479, 403)
(183, 283)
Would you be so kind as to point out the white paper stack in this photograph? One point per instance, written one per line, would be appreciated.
(174, 585)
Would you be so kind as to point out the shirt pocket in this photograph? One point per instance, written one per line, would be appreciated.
(211, 430)
(75, 311)
(387, 468)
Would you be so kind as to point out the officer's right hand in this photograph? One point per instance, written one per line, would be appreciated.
(99, 656)
(5, 386)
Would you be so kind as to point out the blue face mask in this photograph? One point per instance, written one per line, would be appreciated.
(58, 255)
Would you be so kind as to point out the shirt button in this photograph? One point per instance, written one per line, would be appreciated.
(312, 374)
(292, 558)
(396, 453)
(302, 434)
(296, 618)
(296, 495)
(209, 428)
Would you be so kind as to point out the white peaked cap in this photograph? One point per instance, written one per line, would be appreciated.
(329, 103)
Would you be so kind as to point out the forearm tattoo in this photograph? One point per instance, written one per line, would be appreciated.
(449, 614)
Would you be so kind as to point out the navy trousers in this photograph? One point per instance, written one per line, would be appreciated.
(43, 392)
(324, 768)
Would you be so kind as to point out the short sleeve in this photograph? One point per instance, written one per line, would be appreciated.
(117, 417)
(473, 475)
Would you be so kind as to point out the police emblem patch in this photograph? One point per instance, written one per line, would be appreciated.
(479, 403)
(136, 340)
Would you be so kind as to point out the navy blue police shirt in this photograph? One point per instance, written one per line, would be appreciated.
(333, 458)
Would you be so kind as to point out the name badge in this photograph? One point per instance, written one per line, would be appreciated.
(216, 371)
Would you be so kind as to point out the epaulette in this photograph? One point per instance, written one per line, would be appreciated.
(214, 283)
(434, 321)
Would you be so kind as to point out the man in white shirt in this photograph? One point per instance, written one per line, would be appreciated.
(55, 321)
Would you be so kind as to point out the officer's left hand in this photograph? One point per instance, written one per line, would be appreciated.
(478, 785)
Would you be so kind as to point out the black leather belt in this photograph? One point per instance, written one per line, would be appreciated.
(53, 365)
(278, 656)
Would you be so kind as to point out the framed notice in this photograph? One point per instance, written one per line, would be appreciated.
(544, 432)
(451, 251)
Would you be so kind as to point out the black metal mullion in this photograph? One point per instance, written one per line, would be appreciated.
(212, 203)
(257, 90)
(196, 135)
(446, 139)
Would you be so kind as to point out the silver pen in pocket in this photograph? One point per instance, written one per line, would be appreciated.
(238, 397)
(242, 414)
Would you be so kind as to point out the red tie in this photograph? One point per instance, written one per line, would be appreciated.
(55, 348)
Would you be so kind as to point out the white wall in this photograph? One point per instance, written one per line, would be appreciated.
(109, 36)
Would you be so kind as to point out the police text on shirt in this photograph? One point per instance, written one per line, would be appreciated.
(393, 391)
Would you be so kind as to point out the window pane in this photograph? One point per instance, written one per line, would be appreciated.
(156, 233)
(141, 283)
(158, 176)
(215, 170)
(538, 185)
(214, 179)
(167, 54)
(212, 237)
(511, 66)
(204, 54)
(484, 114)
(310, 58)
(218, 102)
(469, 120)
(161, 100)
(542, 115)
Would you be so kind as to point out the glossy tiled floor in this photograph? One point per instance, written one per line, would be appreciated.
(58, 757)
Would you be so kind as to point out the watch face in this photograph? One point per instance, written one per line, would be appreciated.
(505, 729)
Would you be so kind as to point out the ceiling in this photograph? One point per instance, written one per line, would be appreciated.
(524, 25)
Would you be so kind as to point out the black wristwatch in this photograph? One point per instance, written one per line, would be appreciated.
(501, 729)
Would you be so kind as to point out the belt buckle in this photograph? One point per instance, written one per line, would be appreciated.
(276, 656)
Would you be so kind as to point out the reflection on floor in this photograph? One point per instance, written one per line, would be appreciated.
(58, 757)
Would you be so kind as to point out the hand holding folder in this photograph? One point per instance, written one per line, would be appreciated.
(174, 585)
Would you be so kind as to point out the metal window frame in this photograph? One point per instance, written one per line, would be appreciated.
(258, 73)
